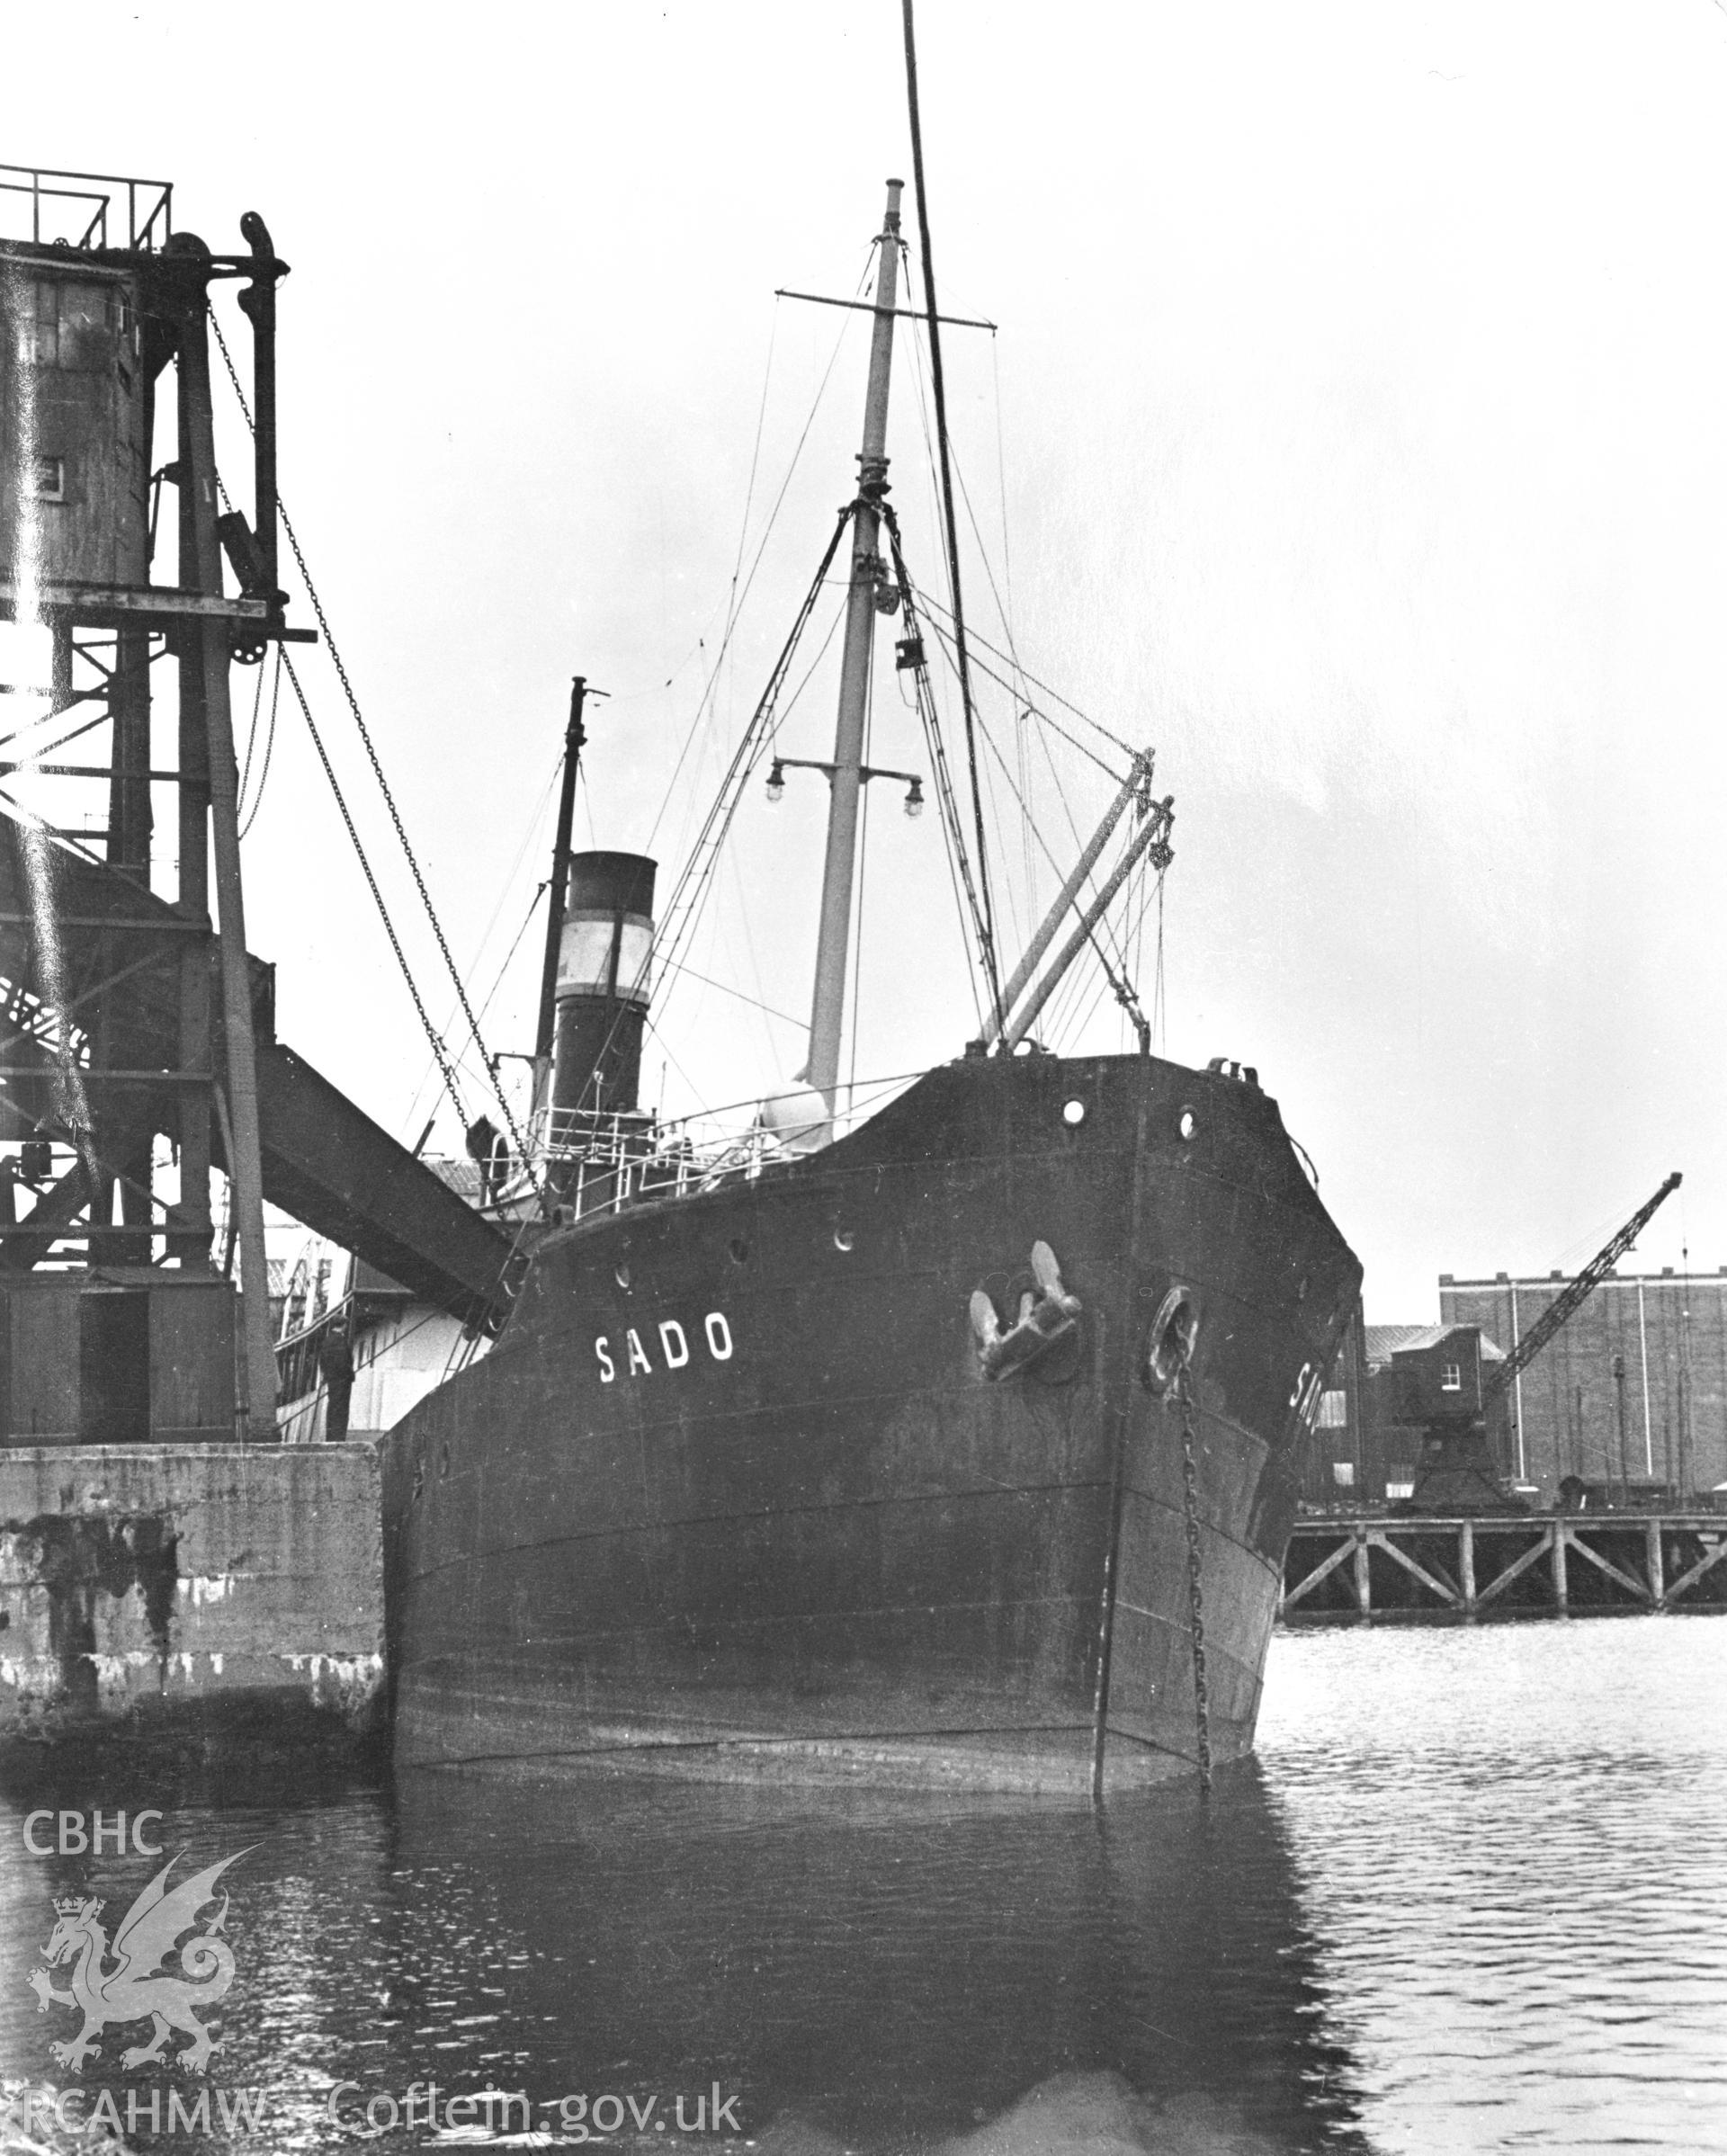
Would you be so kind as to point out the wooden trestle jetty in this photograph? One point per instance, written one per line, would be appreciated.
(1374, 1567)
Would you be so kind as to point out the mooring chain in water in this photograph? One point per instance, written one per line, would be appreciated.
(1195, 1582)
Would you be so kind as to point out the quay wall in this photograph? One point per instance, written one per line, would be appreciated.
(152, 1584)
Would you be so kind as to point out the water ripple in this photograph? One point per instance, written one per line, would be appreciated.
(1471, 1900)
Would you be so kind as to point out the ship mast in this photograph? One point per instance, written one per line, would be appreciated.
(575, 741)
(826, 1017)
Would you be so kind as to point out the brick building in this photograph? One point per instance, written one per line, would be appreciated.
(1668, 1333)
(1368, 1436)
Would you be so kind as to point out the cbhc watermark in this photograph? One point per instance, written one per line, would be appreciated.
(101, 1836)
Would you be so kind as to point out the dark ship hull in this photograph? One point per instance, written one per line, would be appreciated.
(733, 1494)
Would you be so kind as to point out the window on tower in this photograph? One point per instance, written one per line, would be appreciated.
(73, 326)
(86, 314)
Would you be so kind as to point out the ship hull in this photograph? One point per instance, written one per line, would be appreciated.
(734, 1495)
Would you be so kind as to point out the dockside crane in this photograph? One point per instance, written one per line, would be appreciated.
(1575, 1293)
(1457, 1471)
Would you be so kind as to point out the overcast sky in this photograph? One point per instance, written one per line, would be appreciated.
(1356, 422)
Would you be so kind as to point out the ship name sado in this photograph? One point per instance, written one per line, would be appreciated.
(674, 1345)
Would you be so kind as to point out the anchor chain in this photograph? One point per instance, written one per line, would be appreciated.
(1196, 1581)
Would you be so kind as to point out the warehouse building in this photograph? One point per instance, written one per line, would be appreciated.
(1646, 1355)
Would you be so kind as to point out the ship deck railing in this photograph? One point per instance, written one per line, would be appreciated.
(602, 1162)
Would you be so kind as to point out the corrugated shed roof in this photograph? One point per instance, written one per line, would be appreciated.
(1381, 1342)
(457, 1174)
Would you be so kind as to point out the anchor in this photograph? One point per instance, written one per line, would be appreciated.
(1047, 1315)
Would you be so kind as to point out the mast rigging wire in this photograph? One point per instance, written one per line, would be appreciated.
(1021, 695)
(1005, 888)
(684, 904)
(540, 891)
(725, 988)
(706, 697)
(953, 838)
(863, 871)
(1119, 982)
(377, 766)
(691, 883)
(1067, 810)
(1071, 1020)
(783, 712)
(1011, 658)
(939, 387)
(763, 1008)
(959, 861)
(439, 1048)
(946, 637)
(1003, 606)
(755, 463)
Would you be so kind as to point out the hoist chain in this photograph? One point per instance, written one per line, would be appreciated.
(1196, 1581)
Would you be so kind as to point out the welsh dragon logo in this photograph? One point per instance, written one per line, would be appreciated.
(136, 1988)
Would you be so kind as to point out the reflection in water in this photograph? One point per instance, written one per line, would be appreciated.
(1471, 1899)
(865, 1972)
(897, 1968)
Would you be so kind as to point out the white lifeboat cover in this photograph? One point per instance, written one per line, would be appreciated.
(797, 1121)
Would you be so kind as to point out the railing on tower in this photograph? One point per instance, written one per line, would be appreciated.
(80, 208)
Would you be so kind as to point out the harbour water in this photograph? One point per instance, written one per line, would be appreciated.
(1472, 1896)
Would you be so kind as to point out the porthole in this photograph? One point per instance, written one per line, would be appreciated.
(620, 1274)
(1187, 1123)
(1074, 1113)
(739, 1249)
(845, 1238)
